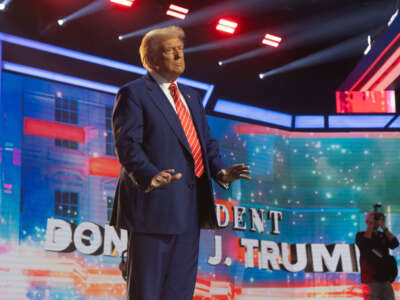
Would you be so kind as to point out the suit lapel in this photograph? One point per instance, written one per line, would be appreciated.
(162, 103)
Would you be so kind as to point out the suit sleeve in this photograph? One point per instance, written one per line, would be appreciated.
(127, 122)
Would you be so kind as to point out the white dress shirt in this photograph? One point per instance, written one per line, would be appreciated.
(164, 85)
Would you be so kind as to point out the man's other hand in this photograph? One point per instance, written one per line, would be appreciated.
(165, 177)
(235, 172)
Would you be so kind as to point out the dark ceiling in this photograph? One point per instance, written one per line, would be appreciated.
(307, 27)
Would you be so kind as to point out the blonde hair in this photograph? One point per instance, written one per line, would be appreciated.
(151, 43)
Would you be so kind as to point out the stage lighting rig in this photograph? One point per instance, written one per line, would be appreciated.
(226, 26)
(127, 3)
(177, 11)
(271, 40)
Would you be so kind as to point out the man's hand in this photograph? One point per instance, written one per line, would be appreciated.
(382, 223)
(164, 177)
(234, 172)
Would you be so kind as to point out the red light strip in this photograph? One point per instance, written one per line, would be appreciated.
(393, 74)
(375, 62)
(271, 40)
(175, 14)
(123, 2)
(226, 29)
(54, 130)
(178, 8)
(386, 74)
(177, 11)
(270, 43)
(228, 23)
(226, 26)
(273, 37)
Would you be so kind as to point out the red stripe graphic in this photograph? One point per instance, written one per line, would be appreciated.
(54, 130)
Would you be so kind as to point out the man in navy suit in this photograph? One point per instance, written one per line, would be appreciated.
(164, 193)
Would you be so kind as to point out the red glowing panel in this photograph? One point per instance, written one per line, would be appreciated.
(103, 166)
(271, 40)
(123, 2)
(226, 26)
(365, 102)
(177, 11)
(54, 130)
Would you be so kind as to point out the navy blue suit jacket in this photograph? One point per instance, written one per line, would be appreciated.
(149, 138)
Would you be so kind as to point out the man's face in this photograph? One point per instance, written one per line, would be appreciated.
(170, 62)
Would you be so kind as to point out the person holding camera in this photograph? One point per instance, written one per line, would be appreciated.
(378, 267)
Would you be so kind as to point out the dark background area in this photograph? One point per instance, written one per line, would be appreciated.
(309, 90)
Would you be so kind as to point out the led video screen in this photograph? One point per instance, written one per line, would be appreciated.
(286, 234)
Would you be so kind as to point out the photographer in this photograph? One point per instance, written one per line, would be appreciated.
(378, 267)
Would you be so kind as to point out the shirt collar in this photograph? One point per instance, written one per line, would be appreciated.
(160, 80)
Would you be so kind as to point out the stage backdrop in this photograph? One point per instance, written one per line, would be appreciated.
(286, 234)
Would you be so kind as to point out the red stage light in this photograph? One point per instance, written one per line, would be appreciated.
(177, 11)
(226, 26)
(271, 40)
(123, 2)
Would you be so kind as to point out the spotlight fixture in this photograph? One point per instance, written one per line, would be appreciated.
(61, 22)
(226, 26)
(120, 37)
(127, 3)
(261, 76)
(271, 40)
(220, 63)
(2, 6)
(177, 11)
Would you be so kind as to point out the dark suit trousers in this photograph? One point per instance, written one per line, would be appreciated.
(164, 266)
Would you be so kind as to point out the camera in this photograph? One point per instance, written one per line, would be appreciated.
(378, 215)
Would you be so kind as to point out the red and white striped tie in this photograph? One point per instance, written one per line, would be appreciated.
(190, 130)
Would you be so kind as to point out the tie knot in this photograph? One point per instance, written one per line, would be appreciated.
(172, 87)
(174, 91)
